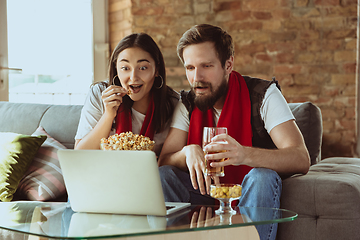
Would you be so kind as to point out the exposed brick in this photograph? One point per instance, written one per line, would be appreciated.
(336, 34)
(305, 57)
(116, 16)
(345, 56)
(225, 6)
(252, 48)
(263, 57)
(350, 44)
(329, 23)
(260, 4)
(280, 47)
(300, 90)
(327, 2)
(349, 67)
(324, 56)
(295, 24)
(302, 79)
(273, 25)
(346, 11)
(287, 69)
(262, 15)
(285, 57)
(283, 36)
(148, 11)
(119, 5)
(309, 34)
(301, 3)
(306, 13)
(330, 91)
(340, 79)
(308, 45)
(281, 13)
(202, 8)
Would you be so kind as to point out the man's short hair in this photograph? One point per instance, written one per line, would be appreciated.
(223, 42)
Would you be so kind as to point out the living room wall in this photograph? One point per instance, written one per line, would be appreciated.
(308, 45)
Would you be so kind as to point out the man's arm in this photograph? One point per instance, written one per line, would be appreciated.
(291, 156)
(190, 158)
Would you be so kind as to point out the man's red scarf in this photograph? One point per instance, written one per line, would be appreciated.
(124, 122)
(235, 115)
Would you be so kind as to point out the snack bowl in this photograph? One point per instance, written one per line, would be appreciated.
(225, 193)
(108, 146)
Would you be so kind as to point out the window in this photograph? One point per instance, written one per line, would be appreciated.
(53, 43)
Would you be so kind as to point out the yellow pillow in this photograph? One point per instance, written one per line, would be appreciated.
(16, 153)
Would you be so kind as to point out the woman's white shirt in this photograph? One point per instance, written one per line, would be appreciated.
(94, 108)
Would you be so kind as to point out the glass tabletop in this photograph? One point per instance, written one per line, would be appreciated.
(59, 221)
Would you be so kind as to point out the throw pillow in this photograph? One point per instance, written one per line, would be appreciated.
(16, 153)
(43, 180)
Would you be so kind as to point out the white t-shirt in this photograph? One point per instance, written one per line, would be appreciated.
(274, 110)
(94, 108)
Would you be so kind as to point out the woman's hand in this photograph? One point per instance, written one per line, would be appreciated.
(112, 98)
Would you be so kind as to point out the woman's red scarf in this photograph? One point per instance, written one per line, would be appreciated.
(235, 115)
(124, 122)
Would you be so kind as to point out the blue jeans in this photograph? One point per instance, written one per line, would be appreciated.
(261, 187)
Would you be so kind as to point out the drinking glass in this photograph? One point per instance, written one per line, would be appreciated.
(208, 134)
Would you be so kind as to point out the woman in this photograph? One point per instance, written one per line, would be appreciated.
(135, 98)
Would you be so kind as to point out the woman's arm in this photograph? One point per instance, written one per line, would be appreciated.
(111, 98)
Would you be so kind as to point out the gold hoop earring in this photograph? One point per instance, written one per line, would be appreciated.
(162, 82)
(113, 80)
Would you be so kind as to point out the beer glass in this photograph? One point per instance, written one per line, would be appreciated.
(208, 134)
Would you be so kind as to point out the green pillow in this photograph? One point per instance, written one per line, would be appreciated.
(16, 153)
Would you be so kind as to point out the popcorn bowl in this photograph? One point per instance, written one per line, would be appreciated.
(225, 193)
(127, 141)
(111, 147)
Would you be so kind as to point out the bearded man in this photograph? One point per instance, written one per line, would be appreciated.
(263, 142)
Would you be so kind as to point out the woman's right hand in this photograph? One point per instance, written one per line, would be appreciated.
(112, 98)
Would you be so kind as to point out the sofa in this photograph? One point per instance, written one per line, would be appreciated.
(326, 198)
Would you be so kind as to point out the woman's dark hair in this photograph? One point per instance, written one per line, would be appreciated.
(162, 94)
(223, 42)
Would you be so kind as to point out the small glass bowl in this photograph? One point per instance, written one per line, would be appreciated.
(225, 193)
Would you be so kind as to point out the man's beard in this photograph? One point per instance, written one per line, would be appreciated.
(208, 101)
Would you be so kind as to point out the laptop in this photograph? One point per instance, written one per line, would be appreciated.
(122, 182)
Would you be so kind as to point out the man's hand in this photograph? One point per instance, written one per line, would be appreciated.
(231, 150)
(195, 162)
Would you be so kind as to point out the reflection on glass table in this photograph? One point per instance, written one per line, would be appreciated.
(57, 220)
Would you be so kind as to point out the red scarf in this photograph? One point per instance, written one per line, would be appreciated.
(124, 122)
(235, 115)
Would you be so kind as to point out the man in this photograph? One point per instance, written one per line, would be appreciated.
(262, 134)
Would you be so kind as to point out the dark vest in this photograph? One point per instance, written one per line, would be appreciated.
(257, 88)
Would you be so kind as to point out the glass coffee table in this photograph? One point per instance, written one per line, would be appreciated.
(50, 220)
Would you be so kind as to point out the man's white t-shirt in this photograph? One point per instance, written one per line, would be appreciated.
(94, 108)
(274, 111)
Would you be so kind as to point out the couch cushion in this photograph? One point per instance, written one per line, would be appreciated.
(328, 194)
(330, 189)
(43, 180)
(309, 120)
(16, 153)
(61, 123)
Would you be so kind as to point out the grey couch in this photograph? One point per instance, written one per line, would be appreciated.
(326, 199)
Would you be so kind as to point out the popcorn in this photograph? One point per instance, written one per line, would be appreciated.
(127, 141)
(225, 191)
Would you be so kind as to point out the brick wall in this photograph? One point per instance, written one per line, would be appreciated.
(308, 45)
